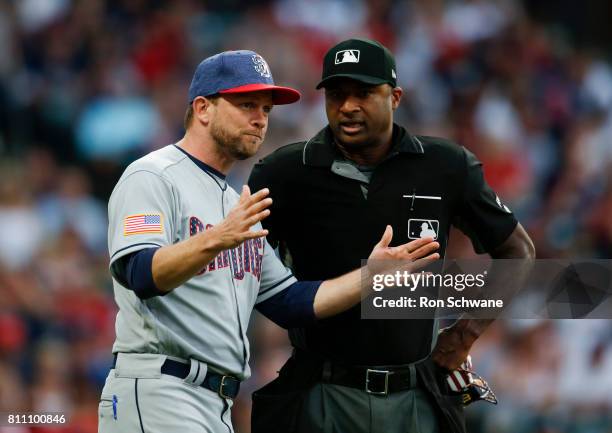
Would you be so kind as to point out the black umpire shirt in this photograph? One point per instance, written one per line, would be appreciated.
(328, 214)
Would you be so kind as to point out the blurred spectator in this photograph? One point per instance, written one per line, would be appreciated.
(20, 225)
(73, 208)
(116, 128)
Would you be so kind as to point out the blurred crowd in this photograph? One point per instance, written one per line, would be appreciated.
(88, 86)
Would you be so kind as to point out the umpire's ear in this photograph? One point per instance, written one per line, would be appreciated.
(396, 96)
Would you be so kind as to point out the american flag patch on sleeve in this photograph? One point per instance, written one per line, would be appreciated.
(142, 223)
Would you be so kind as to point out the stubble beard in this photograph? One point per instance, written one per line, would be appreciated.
(230, 144)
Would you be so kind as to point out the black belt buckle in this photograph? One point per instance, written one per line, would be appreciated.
(222, 384)
(377, 382)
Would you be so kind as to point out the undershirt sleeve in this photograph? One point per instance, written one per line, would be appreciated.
(293, 307)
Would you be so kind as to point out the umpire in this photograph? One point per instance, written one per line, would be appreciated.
(339, 189)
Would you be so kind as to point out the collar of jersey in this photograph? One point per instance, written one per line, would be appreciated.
(207, 168)
(320, 150)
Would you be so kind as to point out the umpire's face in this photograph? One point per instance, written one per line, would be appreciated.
(360, 114)
(239, 121)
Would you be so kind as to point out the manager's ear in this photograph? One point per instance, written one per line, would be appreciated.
(396, 96)
(203, 108)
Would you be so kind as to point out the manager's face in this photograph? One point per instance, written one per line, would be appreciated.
(360, 114)
(239, 122)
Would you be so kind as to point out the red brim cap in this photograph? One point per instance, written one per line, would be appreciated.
(280, 95)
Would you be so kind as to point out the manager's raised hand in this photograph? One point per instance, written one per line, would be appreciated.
(236, 227)
(339, 294)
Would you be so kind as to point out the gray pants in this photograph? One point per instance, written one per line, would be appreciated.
(327, 408)
(137, 398)
(340, 409)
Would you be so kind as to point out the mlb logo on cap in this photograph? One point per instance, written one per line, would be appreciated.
(363, 60)
(347, 56)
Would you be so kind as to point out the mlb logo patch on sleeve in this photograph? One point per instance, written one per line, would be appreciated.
(142, 223)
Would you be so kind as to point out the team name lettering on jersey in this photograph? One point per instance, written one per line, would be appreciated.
(245, 258)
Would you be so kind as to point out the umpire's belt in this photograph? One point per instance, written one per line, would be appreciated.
(225, 386)
(377, 381)
(373, 380)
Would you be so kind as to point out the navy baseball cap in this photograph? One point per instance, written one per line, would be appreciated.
(363, 60)
(237, 72)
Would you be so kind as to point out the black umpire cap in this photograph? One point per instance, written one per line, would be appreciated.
(363, 60)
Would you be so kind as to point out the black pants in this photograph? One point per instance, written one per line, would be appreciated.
(297, 402)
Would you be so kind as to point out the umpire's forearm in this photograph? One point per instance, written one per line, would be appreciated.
(174, 264)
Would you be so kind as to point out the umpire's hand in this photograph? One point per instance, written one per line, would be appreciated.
(454, 344)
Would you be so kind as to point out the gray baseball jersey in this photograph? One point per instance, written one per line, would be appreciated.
(164, 198)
